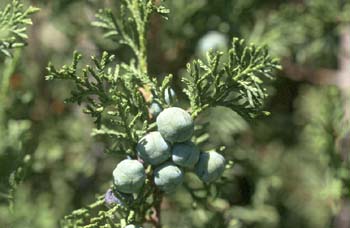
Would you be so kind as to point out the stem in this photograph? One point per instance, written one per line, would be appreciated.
(10, 67)
(142, 57)
(157, 216)
(344, 73)
(5, 195)
(141, 23)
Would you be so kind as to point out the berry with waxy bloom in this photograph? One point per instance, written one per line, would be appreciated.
(175, 125)
(153, 149)
(210, 166)
(155, 109)
(168, 177)
(129, 176)
(169, 96)
(185, 154)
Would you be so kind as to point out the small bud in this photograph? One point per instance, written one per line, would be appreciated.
(110, 198)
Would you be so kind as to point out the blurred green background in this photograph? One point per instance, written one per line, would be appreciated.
(292, 168)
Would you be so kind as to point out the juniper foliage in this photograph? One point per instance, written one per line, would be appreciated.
(14, 19)
(300, 152)
(117, 96)
(237, 84)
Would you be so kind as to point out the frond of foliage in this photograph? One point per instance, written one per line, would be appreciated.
(111, 96)
(14, 19)
(130, 27)
(117, 95)
(237, 83)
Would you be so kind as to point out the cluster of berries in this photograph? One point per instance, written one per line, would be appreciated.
(169, 151)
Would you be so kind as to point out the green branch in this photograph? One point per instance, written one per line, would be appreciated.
(237, 83)
(13, 26)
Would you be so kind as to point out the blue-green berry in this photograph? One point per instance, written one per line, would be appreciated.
(155, 109)
(169, 96)
(168, 177)
(129, 176)
(175, 125)
(185, 154)
(153, 149)
(210, 166)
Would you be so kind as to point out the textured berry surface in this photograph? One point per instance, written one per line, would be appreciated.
(129, 176)
(153, 149)
(210, 166)
(185, 154)
(175, 125)
(167, 177)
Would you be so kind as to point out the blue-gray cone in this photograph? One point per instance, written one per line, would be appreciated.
(175, 125)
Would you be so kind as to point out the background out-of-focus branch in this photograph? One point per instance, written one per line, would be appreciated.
(323, 76)
(341, 78)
